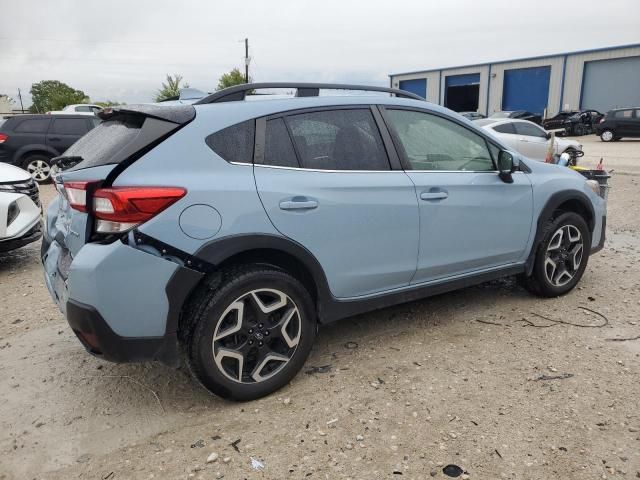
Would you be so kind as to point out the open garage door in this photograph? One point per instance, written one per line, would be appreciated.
(417, 86)
(613, 83)
(462, 92)
(526, 89)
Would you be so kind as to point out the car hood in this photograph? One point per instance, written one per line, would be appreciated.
(10, 174)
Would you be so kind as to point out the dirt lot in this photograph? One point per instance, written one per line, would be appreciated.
(476, 378)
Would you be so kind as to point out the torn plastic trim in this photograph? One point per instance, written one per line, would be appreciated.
(153, 246)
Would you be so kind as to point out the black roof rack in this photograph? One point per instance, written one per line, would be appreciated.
(239, 92)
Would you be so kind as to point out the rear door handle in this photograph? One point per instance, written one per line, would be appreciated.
(298, 203)
(54, 139)
(433, 195)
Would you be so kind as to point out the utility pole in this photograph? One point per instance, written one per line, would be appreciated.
(20, 97)
(246, 60)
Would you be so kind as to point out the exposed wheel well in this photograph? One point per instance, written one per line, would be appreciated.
(278, 259)
(576, 206)
(32, 153)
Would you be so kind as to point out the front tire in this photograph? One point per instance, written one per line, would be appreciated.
(561, 257)
(607, 136)
(252, 334)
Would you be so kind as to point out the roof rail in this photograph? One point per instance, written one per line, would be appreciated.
(239, 92)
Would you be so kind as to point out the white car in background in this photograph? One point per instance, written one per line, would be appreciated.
(20, 208)
(79, 109)
(527, 138)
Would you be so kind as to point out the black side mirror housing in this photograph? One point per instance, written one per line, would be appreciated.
(505, 166)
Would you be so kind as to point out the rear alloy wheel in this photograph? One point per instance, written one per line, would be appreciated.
(39, 168)
(606, 136)
(252, 334)
(561, 256)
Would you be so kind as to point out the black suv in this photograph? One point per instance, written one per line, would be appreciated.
(31, 141)
(618, 123)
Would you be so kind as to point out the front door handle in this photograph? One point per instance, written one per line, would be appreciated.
(433, 195)
(298, 203)
(54, 139)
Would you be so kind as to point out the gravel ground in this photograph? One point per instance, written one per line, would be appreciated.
(489, 378)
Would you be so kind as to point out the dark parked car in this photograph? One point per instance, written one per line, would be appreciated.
(519, 114)
(619, 123)
(574, 122)
(472, 115)
(31, 141)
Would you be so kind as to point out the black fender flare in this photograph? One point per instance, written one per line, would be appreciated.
(215, 252)
(551, 206)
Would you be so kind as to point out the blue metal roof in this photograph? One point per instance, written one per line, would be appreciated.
(578, 52)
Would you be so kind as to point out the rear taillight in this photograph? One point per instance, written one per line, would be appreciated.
(76, 193)
(3, 138)
(119, 209)
(601, 120)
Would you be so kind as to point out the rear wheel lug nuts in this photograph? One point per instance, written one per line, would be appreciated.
(250, 342)
(260, 326)
(251, 330)
(260, 343)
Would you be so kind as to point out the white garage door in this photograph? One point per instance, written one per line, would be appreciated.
(608, 84)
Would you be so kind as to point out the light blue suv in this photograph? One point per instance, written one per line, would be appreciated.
(227, 231)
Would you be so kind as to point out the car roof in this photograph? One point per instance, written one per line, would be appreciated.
(486, 122)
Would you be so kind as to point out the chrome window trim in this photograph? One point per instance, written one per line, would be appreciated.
(278, 167)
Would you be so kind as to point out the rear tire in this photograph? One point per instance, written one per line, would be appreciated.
(607, 136)
(250, 335)
(561, 257)
(39, 167)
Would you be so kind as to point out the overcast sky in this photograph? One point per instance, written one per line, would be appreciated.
(122, 49)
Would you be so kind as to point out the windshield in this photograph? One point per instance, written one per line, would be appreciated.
(501, 114)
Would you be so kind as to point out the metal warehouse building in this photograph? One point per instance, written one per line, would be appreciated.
(599, 79)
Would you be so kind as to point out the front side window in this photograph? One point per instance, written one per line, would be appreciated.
(234, 143)
(529, 130)
(338, 140)
(69, 126)
(431, 142)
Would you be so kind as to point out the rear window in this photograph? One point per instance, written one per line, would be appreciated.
(33, 125)
(99, 146)
(234, 143)
(69, 126)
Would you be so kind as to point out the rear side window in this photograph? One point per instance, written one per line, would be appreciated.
(505, 128)
(338, 140)
(99, 146)
(278, 148)
(34, 125)
(234, 143)
(84, 108)
(69, 126)
(529, 130)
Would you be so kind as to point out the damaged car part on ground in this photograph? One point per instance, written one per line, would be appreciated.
(226, 231)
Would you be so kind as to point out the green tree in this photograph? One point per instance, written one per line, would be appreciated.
(171, 88)
(234, 77)
(49, 95)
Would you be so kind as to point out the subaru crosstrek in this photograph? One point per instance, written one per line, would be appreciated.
(226, 231)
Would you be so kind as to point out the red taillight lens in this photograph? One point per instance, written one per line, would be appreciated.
(3, 138)
(601, 120)
(119, 209)
(76, 193)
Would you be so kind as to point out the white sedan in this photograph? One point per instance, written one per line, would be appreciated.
(527, 137)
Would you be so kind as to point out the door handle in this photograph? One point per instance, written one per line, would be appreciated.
(299, 203)
(54, 139)
(433, 195)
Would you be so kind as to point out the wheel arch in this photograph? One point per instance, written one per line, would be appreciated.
(560, 202)
(264, 249)
(23, 153)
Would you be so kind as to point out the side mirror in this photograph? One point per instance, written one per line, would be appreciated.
(548, 135)
(505, 166)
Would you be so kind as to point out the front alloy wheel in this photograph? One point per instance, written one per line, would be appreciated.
(564, 255)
